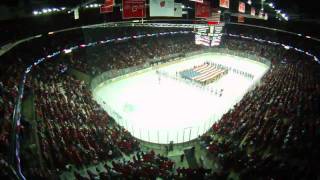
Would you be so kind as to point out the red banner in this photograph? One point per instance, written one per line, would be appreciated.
(109, 2)
(133, 9)
(242, 7)
(224, 3)
(107, 7)
(203, 10)
(253, 11)
(241, 19)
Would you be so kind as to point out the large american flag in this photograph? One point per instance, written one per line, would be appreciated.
(202, 73)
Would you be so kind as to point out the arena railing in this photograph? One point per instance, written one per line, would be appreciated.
(14, 149)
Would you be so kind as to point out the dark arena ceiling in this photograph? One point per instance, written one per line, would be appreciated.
(301, 14)
(301, 10)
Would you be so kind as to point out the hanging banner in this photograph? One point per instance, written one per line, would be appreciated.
(109, 2)
(241, 19)
(177, 9)
(76, 13)
(107, 7)
(164, 8)
(253, 11)
(133, 9)
(242, 7)
(203, 10)
(224, 3)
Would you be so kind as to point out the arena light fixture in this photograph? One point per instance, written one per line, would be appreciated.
(286, 47)
(67, 51)
(95, 5)
(309, 54)
(47, 11)
(279, 14)
(271, 5)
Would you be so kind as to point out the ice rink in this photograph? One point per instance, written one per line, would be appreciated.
(160, 109)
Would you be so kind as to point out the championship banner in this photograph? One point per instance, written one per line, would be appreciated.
(107, 7)
(161, 8)
(133, 9)
(242, 7)
(241, 19)
(76, 13)
(202, 10)
(224, 3)
(109, 2)
(253, 11)
(177, 9)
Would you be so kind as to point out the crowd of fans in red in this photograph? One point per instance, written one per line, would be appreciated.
(272, 132)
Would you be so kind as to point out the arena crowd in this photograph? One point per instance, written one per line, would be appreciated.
(272, 133)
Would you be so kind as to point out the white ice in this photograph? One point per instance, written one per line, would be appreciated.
(171, 110)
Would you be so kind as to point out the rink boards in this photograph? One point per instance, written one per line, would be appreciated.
(161, 110)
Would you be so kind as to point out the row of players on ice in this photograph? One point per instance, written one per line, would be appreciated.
(213, 91)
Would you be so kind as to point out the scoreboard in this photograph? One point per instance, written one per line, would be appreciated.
(209, 35)
(202, 40)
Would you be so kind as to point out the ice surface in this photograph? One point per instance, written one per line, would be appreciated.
(171, 110)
